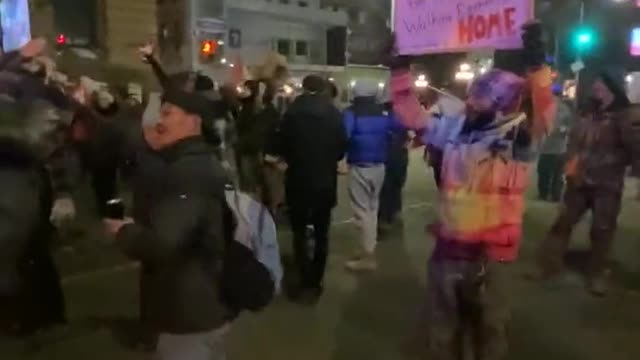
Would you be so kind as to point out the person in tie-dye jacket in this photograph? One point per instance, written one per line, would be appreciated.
(485, 172)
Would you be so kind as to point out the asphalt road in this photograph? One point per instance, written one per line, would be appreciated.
(361, 317)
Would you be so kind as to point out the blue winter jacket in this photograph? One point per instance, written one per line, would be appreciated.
(369, 126)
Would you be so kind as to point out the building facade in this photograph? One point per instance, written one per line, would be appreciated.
(238, 32)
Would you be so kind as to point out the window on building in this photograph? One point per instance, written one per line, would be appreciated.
(284, 47)
(303, 3)
(362, 17)
(302, 48)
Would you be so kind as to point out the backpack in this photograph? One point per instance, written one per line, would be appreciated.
(252, 271)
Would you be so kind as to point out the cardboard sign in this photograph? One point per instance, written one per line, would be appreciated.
(437, 26)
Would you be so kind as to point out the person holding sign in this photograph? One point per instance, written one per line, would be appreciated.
(485, 172)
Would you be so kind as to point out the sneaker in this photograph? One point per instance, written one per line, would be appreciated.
(598, 285)
(365, 264)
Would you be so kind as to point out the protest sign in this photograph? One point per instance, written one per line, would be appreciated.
(437, 26)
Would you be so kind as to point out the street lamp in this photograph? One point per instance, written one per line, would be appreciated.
(465, 73)
(421, 82)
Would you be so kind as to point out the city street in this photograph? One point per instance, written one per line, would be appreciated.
(367, 316)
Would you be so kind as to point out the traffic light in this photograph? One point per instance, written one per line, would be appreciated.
(208, 48)
(61, 40)
(584, 39)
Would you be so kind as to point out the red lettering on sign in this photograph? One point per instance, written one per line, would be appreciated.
(494, 23)
(465, 34)
(509, 22)
(481, 27)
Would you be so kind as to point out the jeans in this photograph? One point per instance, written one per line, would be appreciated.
(550, 176)
(197, 346)
(365, 184)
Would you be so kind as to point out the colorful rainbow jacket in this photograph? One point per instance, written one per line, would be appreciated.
(485, 173)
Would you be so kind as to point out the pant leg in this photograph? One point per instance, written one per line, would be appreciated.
(545, 166)
(299, 215)
(394, 180)
(575, 204)
(104, 181)
(442, 313)
(604, 221)
(557, 177)
(274, 187)
(199, 346)
(364, 192)
(385, 214)
(321, 219)
(494, 312)
(250, 173)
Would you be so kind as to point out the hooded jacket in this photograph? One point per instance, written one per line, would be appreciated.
(486, 166)
(369, 128)
(603, 143)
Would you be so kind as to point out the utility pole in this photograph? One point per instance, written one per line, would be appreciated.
(579, 56)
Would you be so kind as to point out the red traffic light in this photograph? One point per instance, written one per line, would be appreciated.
(209, 47)
(61, 39)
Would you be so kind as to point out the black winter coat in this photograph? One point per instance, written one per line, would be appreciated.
(312, 141)
(30, 292)
(179, 238)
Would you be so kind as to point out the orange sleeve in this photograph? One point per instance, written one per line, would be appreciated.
(544, 105)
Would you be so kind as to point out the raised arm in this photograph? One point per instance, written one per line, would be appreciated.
(543, 106)
(406, 106)
(148, 56)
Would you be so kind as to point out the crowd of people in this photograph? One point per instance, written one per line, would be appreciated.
(180, 152)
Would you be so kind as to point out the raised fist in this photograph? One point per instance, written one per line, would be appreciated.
(146, 51)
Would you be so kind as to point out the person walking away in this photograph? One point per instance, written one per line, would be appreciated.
(180, 239)
(485, 171)
(551, 162)
(395, 177)
(312, 141)
(602, 144)
(369, 126)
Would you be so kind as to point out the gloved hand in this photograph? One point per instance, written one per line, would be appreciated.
(533, 46)
(64, 209)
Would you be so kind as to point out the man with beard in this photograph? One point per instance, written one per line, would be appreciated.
(485, 170)
(602, 144)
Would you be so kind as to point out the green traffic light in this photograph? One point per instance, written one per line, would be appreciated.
(584, 38)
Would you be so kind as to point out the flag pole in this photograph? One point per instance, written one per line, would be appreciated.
(393, 15)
